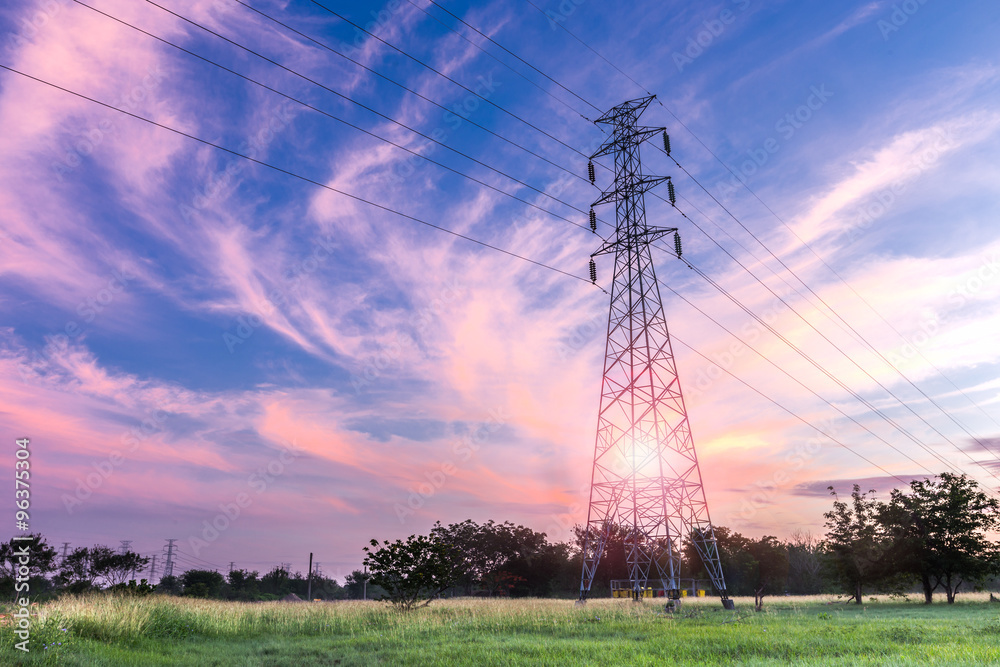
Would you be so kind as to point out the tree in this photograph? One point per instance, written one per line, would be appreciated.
(613, 563)
(355, 584)
(738, 564)
(857, 546)
(38, 555)
(942, 524)
(277, 582)
(327, 589)
(202, 583)
(115, 568)
(804, 564)
(490, 553)
(770, 568)
(170, 585)
(74, 571)
(421, 568)
(243, 584)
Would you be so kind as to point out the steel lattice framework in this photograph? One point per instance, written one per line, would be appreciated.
(646, 480)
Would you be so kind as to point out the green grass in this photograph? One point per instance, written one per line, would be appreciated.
(107, 630)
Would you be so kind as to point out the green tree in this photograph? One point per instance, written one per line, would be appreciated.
(277, 582)
(493, 555)
(942, 526)
(355, 585)
(170, 585)
(115, 568)
(40, 559)
(74, 571)
(738, 564)
(770, 569)
(421, 568)
(202, 583)
(243, 585)
(804, 564)
(858, 549)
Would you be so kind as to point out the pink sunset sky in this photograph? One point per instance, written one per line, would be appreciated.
(187, 333)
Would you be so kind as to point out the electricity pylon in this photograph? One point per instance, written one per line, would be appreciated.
(645, 479)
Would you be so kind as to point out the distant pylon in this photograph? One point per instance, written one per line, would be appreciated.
(645, 477)
(168, 567)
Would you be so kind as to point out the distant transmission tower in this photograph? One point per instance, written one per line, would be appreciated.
(168, 567)
(646, 483)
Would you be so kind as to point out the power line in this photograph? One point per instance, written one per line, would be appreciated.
(284, 171)
(806, 245)
(589, 48)
(506, 50)
(356, 127)
(445, 76)
(855, 331)
(840, 383)
(172, 552)
(295, 175)
(404, 87)
(749, 386)
(816, 364)
(793, 378)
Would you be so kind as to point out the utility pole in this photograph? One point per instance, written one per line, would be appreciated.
(168, 568)
(309, 579)
(152, 570)
(232, 563)
(365, 589)
(645, 480)
(65, 546)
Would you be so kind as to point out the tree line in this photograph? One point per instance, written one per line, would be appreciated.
(932, 536)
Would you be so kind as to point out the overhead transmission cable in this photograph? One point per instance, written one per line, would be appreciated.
(407, 89)
(506, 50)
(794, 233)
(335, 91)
(294, 174)
(857, 335)
(892, 422)
(816, 364)
(445, 76)
(793, 414)
(345, 122)
(388, 209)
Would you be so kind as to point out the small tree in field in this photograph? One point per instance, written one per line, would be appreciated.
(771, 569)
(421, 568)
(856, 543)
(943, 523)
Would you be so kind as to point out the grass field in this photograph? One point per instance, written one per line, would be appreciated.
(104, 630)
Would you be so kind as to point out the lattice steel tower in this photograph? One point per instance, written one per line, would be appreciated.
(646, 479)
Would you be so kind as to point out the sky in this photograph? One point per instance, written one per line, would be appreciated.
(259, 363)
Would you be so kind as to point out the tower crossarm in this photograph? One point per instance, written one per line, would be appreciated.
(646, 236)
(627, 190)
(632, 137)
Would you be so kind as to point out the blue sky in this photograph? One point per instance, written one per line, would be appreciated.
(178, 317)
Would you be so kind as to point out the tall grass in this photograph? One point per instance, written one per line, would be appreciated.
(811, 630)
